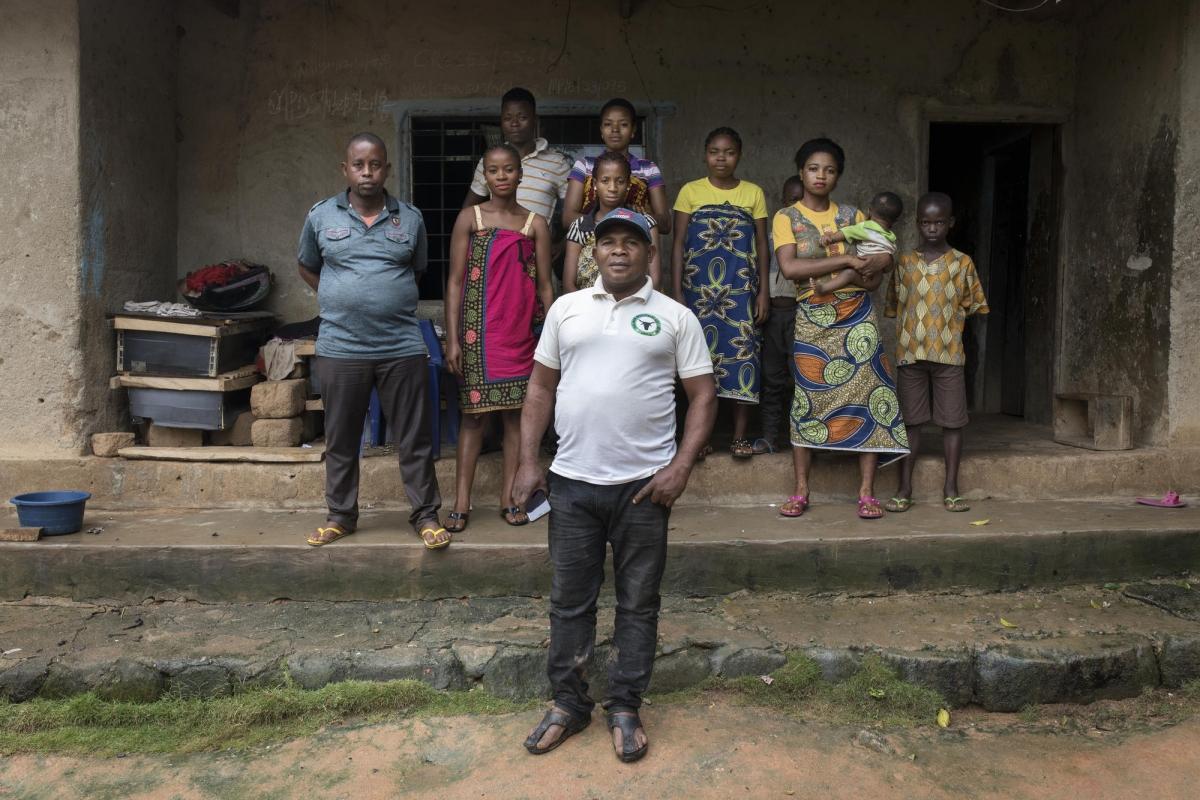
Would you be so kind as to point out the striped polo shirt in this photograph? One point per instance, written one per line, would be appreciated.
(543, 179)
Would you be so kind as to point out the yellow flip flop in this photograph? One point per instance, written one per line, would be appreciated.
(328, 535)
(429, 536)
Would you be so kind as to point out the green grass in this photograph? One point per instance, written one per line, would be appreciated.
(88, 724)
(874, 694)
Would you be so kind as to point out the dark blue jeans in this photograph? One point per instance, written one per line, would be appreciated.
(584, 519)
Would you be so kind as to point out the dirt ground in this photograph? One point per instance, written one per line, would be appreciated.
(700, 749)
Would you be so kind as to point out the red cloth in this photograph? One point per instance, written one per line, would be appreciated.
(215, 275)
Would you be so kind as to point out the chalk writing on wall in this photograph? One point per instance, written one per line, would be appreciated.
(574, 87)
(460, 58)
(327, 101)
(317, 69)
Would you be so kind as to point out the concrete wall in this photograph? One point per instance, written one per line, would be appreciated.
(127, 173)
(40, 369)
(87, 204)
(1120, 218)
(267, 99)
(261, 100)
(1185, 278)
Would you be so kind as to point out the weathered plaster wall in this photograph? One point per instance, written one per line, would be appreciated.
(268, 99)
(127, 170)
(1121, 208)
(1185, 278)
(40, 369)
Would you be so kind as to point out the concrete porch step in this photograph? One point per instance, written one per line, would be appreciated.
(246, 556)
(1070, 644)
(1046, 472)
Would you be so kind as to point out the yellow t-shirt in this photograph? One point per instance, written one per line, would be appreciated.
(783, 229)
(699, 193)
(789, 227)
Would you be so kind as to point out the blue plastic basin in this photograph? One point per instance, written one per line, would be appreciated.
(55, 512)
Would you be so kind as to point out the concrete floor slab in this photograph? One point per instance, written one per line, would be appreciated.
(1068, 644)
(1004, 459)
(225, 555)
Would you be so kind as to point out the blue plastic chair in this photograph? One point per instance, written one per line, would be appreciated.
(377, 424)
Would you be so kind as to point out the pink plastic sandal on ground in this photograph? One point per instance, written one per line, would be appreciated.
(794, 507)
(1168, 500)
(868, 508)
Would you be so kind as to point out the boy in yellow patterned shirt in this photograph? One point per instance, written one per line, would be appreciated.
(932, 292)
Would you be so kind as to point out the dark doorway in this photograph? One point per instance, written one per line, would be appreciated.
(1004, 180)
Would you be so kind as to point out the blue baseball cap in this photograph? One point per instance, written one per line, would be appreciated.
(624, 216)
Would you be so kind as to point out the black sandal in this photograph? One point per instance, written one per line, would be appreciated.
(628, 721)
(570, 723)
(513, 512)
(457, 521)
(742, 448)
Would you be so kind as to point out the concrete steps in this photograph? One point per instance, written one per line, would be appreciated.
(1071, 644)
(1034, 470)
(254, 555)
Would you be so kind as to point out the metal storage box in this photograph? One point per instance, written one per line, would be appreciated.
(209, 411)
(201, 347)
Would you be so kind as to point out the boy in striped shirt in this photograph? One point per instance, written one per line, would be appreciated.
(544, 171)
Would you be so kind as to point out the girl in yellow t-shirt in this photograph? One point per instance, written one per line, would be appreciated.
(720, 266)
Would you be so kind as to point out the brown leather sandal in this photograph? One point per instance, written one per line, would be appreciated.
(569, 723)
(629, 722)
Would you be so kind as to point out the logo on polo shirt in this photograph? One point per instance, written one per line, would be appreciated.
(646, 324)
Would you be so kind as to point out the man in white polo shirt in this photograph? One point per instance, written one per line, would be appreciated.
(606, 365)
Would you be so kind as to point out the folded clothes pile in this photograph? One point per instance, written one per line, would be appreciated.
(161, 309)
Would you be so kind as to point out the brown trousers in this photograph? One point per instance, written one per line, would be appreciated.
(402, 384)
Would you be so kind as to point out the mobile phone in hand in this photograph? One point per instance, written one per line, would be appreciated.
(537, 506)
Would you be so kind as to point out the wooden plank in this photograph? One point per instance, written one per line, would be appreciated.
(200, 326)
(315, 404)
(240, 372)
(262, 455)
(20, 534)
(165, 325)
(306, 347)
(225, 382)
(205, 318)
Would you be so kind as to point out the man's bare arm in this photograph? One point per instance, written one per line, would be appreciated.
(313, 279)
(669, 482)
(535, 418)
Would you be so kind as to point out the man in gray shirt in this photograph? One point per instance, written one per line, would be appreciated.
(363, 252)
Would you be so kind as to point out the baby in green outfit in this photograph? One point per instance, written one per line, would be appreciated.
(870, 237)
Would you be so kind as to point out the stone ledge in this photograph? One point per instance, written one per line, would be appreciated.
(1060, 473)
(140, 653)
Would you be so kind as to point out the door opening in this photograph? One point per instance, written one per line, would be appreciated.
(1004, 180)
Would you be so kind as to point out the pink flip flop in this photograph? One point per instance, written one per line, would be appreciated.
(795, 506)
(1168, 500)
(869, 508)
